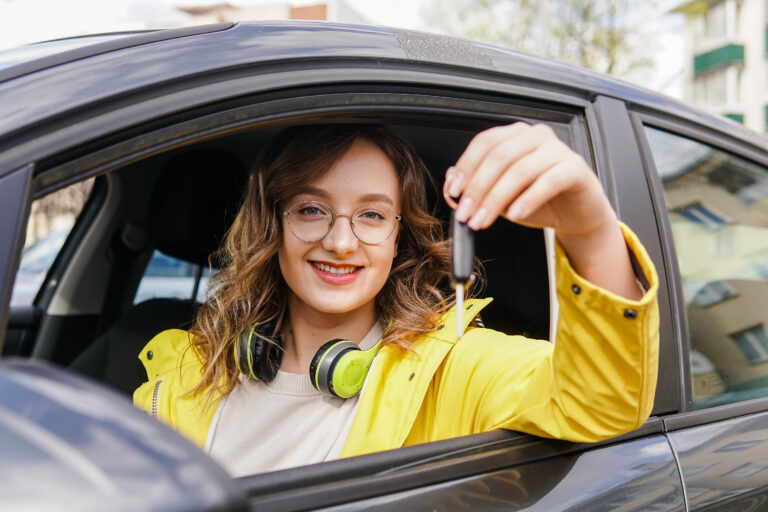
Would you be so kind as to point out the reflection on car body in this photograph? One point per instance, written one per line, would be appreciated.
(691, 185)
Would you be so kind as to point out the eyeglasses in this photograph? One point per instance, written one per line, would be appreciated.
(311, 221)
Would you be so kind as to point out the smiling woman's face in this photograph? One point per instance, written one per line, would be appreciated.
(340, 274)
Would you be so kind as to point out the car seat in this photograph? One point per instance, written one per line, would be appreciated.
(194, 200)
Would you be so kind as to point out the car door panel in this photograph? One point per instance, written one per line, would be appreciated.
(725, 463)
(634, 476)
(22, 324)
(722, 450)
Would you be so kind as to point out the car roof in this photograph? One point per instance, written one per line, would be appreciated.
(39, 50)
(43, 88)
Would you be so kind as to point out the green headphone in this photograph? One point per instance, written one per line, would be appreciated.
(338, 369)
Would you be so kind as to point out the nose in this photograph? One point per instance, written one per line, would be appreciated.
(340, 239)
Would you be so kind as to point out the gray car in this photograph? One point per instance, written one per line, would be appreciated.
(168, 123)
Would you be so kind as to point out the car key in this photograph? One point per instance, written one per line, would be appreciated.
(462, 255)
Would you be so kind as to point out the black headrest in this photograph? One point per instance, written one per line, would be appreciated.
(195, 199)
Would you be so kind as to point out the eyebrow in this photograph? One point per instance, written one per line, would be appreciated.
(367, 198)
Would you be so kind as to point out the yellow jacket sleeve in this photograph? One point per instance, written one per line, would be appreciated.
(596, 382)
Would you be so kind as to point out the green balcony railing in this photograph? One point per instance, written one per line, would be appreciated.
(719, 57)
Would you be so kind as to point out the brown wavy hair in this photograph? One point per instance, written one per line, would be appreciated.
(250, 289)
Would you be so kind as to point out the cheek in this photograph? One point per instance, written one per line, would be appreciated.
(384, 260)
(288, 260)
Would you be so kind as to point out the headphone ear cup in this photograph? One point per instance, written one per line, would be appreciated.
(257, 357)
(322, 365)
(350, 370)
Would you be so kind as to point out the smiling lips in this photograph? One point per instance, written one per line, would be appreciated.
(335, 274)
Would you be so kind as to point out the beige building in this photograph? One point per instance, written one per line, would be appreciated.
(329, 10)
(726, 67)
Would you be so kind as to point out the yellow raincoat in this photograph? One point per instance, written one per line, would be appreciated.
(596, 382)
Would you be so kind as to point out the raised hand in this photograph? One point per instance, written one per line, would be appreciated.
(528, 175)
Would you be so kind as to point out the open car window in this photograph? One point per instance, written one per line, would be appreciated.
(126, 265)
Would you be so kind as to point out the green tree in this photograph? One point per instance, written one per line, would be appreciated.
(604, 35)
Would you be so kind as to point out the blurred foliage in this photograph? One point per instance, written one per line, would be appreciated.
(603, 35)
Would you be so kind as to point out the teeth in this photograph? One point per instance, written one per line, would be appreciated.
(334, 270)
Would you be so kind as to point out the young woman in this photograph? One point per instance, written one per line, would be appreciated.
(334, 240)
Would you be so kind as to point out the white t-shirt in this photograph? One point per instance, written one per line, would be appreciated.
(265, 427)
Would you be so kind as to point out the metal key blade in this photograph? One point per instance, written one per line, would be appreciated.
(459, 310)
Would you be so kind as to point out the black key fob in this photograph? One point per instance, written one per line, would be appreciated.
(462, 240)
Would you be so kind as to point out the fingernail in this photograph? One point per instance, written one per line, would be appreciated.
(457, 182)
(477, 220)
(450, 172)
(464, 210)
(517, 211)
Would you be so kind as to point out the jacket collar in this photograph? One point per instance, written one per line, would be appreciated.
(168, 351)
(397, 383)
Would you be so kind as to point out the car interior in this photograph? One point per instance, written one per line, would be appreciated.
(181, 201)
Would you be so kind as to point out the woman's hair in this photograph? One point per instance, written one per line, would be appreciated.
(249, 289)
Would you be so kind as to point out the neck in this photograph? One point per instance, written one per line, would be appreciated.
(307, 331)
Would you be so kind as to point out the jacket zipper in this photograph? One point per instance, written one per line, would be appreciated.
(154, 397)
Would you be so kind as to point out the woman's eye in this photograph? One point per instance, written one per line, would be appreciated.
(371, 216)
(311, 211)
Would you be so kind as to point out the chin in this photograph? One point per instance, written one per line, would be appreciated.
(327, 303)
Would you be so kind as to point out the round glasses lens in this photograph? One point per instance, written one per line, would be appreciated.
(309, 221)
(373, 223)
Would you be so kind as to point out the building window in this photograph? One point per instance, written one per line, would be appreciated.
(753, 343)
(702, 215)
(713, 293)
(715, 24)
(711, 88)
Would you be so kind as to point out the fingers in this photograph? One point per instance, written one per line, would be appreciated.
(497, 166)
(549, 185)
(518, 177)
(485, 141)
(483, 145)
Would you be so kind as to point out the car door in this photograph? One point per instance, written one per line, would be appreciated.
(711, 183)
(438, 105)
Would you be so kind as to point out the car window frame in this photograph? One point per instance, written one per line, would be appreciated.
(729, 143)
(635, 207)
(15, 191)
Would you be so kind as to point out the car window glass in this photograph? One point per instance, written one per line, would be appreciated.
(50, 221)
(718, 210)
(169, 277)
